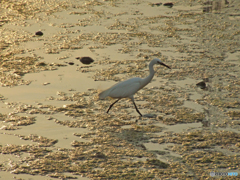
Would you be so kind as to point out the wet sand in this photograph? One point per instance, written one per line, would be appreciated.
(52, 123)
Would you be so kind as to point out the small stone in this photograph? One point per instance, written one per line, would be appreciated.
(46, 83)
(39, 33)
(170, 5)
(201, 84)
(85, 60)
(71, 63)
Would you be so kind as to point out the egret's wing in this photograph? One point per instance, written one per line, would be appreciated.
(125, 89)
(122, 89)
(104, 94)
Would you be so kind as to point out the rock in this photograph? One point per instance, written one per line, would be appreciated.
(85, 60)
(39, 33)
(170, 5)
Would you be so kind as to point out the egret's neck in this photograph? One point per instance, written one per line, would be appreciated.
(149, 77)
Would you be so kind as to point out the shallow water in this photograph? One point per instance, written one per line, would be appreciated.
(52, 123)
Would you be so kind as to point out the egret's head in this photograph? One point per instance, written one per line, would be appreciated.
(156, 60)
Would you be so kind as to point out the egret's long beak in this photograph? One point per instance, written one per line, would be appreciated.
(164, 65)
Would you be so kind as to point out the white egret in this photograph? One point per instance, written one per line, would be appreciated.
(127, 88)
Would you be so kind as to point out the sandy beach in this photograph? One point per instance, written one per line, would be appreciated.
(52, 124)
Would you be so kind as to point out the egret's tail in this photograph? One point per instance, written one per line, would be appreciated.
(103, 94)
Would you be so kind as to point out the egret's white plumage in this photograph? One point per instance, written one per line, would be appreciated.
(122, 89)
(127, 88)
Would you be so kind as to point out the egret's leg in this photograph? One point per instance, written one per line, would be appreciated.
(112, 105)
(136, 107)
